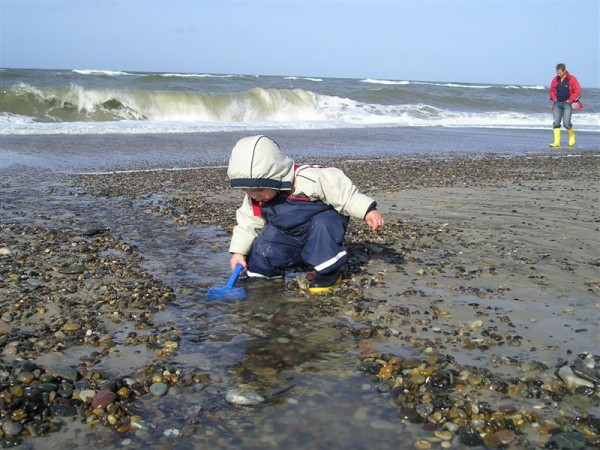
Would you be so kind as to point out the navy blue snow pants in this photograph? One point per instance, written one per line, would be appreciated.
(296, 233)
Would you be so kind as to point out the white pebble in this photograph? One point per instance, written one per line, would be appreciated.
(572, 380)
(245, 398)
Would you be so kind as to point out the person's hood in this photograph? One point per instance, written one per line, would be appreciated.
(258, 162)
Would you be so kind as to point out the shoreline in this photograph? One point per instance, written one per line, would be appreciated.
(486, 269)
(77, 153)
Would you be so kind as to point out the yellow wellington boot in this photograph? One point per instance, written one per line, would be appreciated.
(556, 142)
(571, 137)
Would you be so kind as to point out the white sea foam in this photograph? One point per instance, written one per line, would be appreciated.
(425, 83)
(456, 85)
(194, 75)
(390, 82)
(108, 73)
(303, 78)
(8, 118)
(537, 88)
(336, 113)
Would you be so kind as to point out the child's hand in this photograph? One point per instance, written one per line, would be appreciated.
(375, 220)
(236, 259)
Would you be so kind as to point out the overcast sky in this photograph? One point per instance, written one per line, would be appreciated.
(512, 42)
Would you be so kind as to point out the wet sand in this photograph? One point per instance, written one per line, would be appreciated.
(490, 261)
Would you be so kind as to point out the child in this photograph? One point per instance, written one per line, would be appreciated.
(292, 215)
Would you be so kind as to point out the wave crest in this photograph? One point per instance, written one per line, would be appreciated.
(76, 103)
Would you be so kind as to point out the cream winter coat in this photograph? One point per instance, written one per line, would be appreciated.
(258, 162)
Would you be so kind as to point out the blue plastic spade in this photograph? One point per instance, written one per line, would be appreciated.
(228, 291)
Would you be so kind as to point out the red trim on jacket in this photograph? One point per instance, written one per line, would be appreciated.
(574, 87)
(257, 209)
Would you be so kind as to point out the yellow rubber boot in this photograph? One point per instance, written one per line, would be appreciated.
(324, 286)
(556, 142)
(571, 137)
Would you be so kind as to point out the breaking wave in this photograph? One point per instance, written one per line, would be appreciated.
(75, 109)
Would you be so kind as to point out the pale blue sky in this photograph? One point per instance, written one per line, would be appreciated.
(513, 42)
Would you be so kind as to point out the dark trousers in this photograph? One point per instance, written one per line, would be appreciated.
(319, 242)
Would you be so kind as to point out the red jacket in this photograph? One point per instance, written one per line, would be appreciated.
(574, 87)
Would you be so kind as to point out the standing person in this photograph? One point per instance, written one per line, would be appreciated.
(564, 90)
(292, 215)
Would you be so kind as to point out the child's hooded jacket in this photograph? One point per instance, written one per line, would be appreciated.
(258, 162)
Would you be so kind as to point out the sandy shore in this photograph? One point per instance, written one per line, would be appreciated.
(492, 261)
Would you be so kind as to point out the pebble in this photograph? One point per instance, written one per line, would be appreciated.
(505, 437)
(442, 434)
(102, 399)
(567, 441)
(63, 410)
(86, 395)
(68, 373)
(158, 389)
(244, 398)
(409, 414)
(571, 380)
(72, 270)
(11, 428)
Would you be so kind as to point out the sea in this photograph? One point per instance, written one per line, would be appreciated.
(62, 119)
(56, 125)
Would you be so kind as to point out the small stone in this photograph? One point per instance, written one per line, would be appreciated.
(87, 395)
(112, 419)
(17, 391)
(63, 410)
(422, 445)
(507, 409)
(47, 387)
(67, 373)
(571, 380)
(567, 441)
(244, 398)
(443, 434)
(11, 428)
(123, 392)
(469, 436)
(93, 231)
(18, 414)
(25, 377)
(505, 436)
(383, 387)
(102, 399)
(424, 409)
(47, 378)
(158, 389)
(410, 414)
(72, 270)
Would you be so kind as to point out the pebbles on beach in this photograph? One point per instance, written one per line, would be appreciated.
(415, 284)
